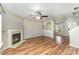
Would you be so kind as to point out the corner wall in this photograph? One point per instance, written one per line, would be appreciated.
(32, 28)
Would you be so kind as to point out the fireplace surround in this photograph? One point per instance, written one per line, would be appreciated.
(15, 37)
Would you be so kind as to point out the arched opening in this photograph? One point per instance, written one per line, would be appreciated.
(49, 26)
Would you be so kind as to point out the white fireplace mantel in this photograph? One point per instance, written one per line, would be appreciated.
(11, 32)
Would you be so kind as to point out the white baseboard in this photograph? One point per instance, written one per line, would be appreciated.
(5, 48)
(1, 50)
(74, 46)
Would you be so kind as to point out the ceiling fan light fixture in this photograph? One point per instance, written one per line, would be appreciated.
(38, 17)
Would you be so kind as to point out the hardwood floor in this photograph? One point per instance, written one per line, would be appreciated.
(42, 46)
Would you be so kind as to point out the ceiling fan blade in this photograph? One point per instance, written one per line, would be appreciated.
(44, 16)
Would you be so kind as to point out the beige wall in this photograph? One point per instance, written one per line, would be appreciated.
(10, 20)
(76, 19)
(32, 28)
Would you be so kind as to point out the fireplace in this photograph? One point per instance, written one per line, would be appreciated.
(16, 38)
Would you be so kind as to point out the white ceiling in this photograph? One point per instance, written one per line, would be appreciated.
(58, 11)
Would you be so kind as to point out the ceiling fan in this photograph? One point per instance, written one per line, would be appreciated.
(39, 15)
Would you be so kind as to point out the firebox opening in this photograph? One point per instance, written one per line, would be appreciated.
(16, 38)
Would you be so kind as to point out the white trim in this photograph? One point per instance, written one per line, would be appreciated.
(1, 45)
(0, 30)
(74, 46)
(10, 33)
